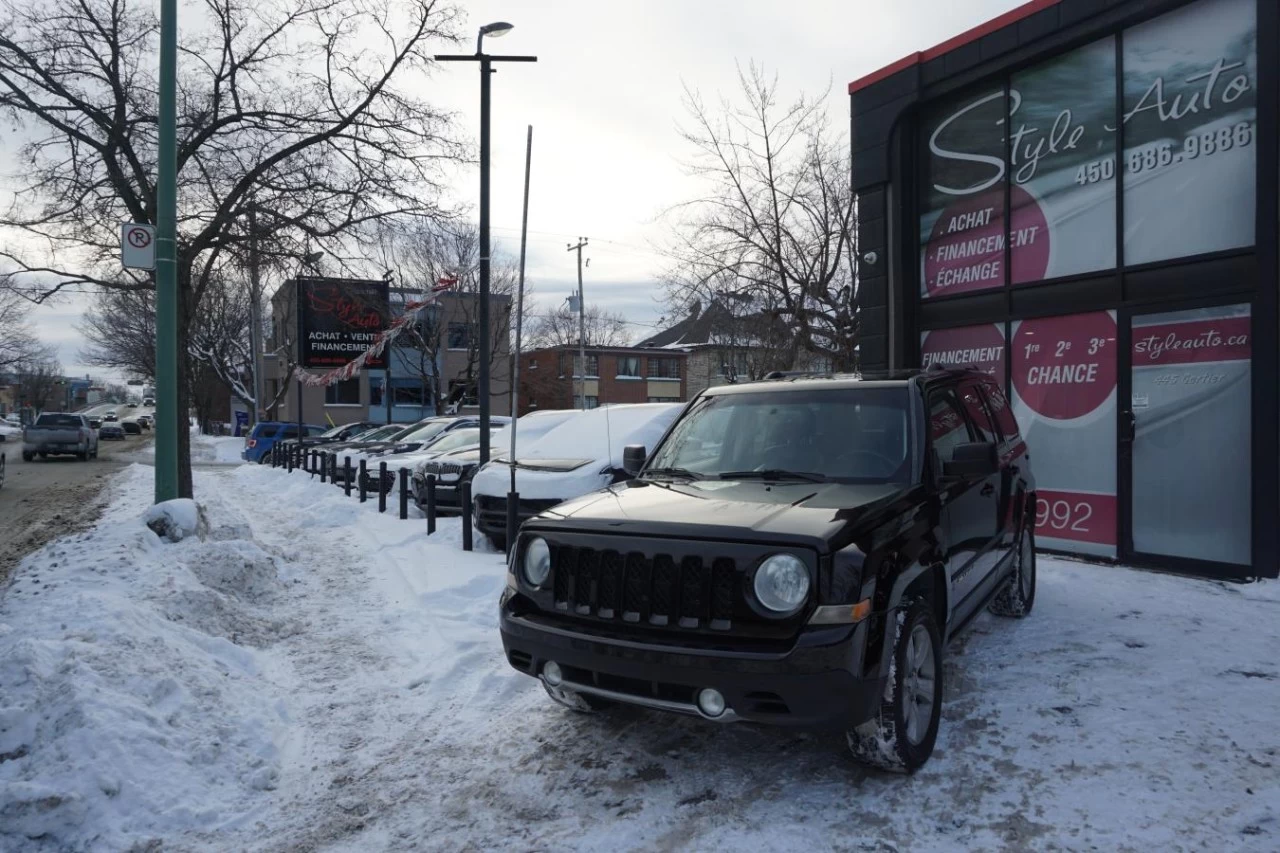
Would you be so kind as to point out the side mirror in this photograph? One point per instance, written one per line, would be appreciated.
(979, 459)
(633, 456)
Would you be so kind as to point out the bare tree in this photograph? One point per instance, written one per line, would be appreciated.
(39, 381)
(18, 342)
(119, 331)
(775, 229)
(561, 328)
(422, 254)
(309, 112)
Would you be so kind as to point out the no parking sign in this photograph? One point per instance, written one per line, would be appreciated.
(138, 246)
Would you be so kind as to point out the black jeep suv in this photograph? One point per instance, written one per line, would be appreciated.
(794, 552)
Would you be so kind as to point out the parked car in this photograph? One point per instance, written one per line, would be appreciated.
(110, 417)
(794, 552)
(333, 435)
(111, 432)
(465, 438)
(12, 418)
(266, 433)
(8, 430)
(59, 433)
(457, 467)
(581, 455)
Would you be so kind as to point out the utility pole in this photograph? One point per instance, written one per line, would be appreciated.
(167, 414)
(582, 320)
(255, 312)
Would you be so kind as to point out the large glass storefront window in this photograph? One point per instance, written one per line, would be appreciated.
(1063, 159)
(962, 198)
(1190, 114)
(1064, 396)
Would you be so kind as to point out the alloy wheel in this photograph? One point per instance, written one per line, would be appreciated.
(919, 684)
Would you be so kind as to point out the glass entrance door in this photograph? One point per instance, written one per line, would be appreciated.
(1188, 430)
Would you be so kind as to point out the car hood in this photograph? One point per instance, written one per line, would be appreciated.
(825, 515)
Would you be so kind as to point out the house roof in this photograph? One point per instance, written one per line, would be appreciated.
(693, 330)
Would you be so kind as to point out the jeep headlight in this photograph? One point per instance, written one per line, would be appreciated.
(782, 583)
(537, 562)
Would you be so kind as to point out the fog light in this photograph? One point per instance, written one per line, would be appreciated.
(551, 673)
(710, 702)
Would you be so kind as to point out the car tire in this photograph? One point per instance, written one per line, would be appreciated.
(577, 702)
(901, 735)
(27, 457)
(1019, 596)
(82, 455)
(43, 455)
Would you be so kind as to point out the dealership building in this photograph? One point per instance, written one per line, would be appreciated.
(1080, 197)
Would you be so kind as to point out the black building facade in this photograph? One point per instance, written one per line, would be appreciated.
(1080, 197)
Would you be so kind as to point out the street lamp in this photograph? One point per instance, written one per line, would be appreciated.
(494, 30)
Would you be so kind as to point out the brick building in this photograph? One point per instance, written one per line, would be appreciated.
(551, 378)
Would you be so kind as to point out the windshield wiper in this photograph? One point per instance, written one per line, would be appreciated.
(774, 474)
(672, 472)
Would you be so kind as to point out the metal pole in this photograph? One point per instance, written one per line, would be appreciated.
(466, 516)
(255, 313)
(363, 479)
(167, 414)
(386, 385)
(515, 368)
(582, 326)
(383, 488)
(431, 504)
(485, 71)
(404, 493)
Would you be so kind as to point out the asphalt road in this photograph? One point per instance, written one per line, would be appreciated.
(46, 498)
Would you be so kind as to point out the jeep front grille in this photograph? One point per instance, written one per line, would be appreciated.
(658, 590)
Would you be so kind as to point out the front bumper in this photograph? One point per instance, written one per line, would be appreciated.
(815, 684)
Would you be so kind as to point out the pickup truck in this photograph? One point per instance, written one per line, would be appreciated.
(60, 433)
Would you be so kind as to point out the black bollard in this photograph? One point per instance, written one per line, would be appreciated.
(382, 487)
(404, 493)
(324, 464)
(466, 516)
(513, 519)
(431, 504)
(346, 475)
(364, 479)
(289, 463)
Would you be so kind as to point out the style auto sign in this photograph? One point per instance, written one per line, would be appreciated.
(1186, 110)
(339, 319)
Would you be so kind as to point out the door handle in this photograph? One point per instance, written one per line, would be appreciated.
(987, 491)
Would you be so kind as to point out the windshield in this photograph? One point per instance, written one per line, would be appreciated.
(457, 439)
(422, 432)
(333, 433)
(855, 435)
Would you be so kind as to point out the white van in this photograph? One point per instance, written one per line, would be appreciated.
(578, 456)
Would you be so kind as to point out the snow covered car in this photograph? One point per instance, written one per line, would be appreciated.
(458, 439)
(794, 552)
(581, 455)
(453, 469)
(10, 431)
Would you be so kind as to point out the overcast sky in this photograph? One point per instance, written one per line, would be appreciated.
(604, 99)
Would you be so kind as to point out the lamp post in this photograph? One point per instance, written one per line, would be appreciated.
(494, 30)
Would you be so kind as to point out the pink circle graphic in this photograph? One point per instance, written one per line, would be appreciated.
(965, 251)
(1065, 367)
(981, 346)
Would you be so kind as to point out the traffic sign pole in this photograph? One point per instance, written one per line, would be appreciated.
(167, 413)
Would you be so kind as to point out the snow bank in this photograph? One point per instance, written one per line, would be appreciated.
(131, 702)
(175, 520)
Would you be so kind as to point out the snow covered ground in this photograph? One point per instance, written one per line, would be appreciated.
(310, 675)
(205, 449)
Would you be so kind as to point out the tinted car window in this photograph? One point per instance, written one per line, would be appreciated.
(978, 413)
(290, 431)
(947, 427)
(1000, 408)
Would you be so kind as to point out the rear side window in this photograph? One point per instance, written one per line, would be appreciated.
(260, 429)
(999, 404)
(289, 431)
(947, 427)
(313, 430)
(979, 415)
